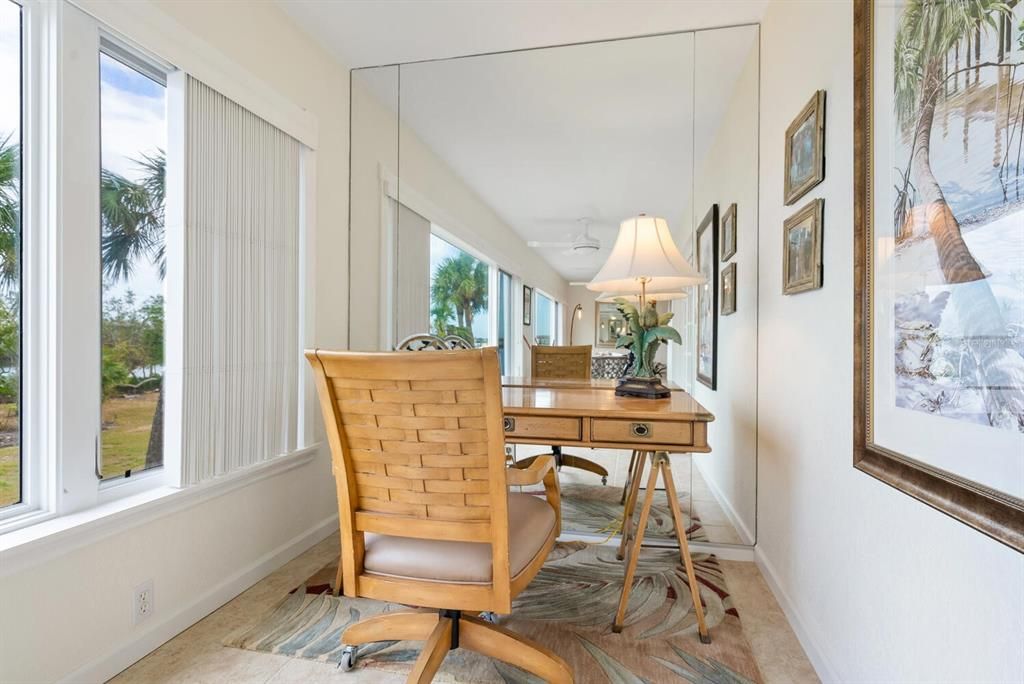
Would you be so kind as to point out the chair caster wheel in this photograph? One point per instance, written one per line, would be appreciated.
(488, 616)
(604, 480)
(348, 659)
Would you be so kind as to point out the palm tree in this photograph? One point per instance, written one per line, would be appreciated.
(927, 31)
(132, 217)
(459, 284)
(9, 210)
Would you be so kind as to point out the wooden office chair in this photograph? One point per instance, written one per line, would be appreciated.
(564, 363)
(417, 447)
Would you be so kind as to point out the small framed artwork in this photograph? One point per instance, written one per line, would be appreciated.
(727, 240)
(728, 295)
(801, 249)
(527, 304)
(707, 299)
(805, 149)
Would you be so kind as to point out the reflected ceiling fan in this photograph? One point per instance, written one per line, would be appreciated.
(583, 243)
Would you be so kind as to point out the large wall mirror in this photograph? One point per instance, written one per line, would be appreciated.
(485, 189)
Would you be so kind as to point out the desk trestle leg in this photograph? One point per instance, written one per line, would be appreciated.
(659, 464)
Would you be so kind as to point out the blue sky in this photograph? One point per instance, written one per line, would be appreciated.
(133, 122)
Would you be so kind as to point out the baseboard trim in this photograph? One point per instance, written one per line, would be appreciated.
(106, 666)
(805, 635)
(730, 512)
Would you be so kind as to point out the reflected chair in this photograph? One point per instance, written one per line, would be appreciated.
(417, 447)
(563, 363)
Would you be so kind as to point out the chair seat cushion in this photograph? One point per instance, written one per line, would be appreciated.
(530, 520)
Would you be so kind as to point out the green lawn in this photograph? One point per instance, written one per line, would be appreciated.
(126, 424)
(10, 483)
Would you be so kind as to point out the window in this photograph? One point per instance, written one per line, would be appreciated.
(11, 466)
(544, 319)
(458, 293)
(505, 334)
(133, 138)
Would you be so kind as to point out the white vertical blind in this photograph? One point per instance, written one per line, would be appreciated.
(412, 274)
(241, 313)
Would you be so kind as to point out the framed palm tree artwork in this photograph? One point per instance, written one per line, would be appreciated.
(939, 256)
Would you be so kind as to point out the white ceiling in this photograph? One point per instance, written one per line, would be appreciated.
(373, 32)
(547, 137)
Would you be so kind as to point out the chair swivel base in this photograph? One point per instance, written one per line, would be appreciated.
(447, 630)
(569, 461)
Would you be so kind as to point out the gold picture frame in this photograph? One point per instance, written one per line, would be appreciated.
(805, 149)
(802, 249)
(727, 240)
(728, 293)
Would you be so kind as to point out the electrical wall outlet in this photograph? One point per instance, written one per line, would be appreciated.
(143, 604)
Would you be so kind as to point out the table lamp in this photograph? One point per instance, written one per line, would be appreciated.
(645, 258)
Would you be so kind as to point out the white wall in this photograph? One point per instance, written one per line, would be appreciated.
(879, 586)
(728, 174)
(71, 613)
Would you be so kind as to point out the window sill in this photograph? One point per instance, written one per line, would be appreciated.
(55, 536)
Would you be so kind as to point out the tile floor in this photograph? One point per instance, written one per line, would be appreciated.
(197, 656)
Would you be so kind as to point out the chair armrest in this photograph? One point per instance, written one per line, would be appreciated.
(542, 469)
(534, 474)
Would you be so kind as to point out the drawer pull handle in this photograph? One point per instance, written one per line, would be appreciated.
(640, 429)
(510, 424)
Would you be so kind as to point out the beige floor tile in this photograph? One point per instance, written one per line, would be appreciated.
(779, 655)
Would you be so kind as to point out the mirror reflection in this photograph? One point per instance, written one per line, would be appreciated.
(487, 191)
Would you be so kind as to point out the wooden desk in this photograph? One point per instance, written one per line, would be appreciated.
(563, 383)
(588, 415)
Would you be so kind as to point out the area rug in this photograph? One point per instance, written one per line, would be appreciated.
(568, 607)
(595, 509)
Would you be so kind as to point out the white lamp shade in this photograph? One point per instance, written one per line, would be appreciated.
(645, 252)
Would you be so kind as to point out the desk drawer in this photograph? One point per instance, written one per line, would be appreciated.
(637, 432)
(542, 427)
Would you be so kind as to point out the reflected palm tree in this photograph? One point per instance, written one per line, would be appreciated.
(460, 285)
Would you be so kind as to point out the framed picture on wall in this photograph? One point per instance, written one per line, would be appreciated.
(728, 294)
(527, 304)
(609, 325)
(801, 249)
(707, 299)
(939, 261)
(727, 240)
(805, 149)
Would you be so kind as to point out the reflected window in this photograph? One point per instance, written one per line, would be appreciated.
(458, 293)
(505, 322)
(544, 317)
(133, 130)
(11, 470)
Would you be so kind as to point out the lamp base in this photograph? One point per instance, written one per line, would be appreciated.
(647, 388)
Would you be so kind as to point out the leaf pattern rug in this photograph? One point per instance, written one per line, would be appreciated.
(595, 509)
(568, 607)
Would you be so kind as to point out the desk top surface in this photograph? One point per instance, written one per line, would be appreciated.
(587, 403)
(569, 383)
